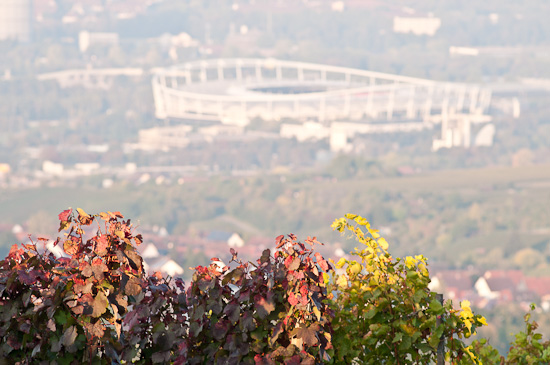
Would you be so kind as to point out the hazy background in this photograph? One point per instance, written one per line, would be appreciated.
(75, 140)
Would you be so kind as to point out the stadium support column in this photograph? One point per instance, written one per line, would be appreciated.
(239, 70)
(428, 105)
(297, 108)
(258, 70)
(270, 108)
(391, 101)
(466, 131)
(460, 99)
(411, 111)
(322, 109)
(473, 99)
(220, 71)
(203, 75)
(188, 75)
(347, 105)
(158, 98)
(484, 100)
(370, 106)
(279, 71)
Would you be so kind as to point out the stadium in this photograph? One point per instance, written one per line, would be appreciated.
(236, 91)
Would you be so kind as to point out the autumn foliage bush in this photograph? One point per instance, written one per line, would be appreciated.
(289, 306)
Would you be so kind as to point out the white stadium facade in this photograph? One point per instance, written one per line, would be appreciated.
(343, 101)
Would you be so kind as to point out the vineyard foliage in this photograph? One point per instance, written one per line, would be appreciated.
(97, 305)
(385, 310)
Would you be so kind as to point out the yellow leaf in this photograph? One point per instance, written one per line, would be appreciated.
(356, 268)
(81, 212)
(410, 261)
(465, 305)
(482, 320)
(383, 244)
(325, 278)
(342, 282)
(341, 263)
(468, 324)
(317, 313)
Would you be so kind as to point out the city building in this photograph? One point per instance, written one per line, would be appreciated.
(15, 20)
(416, 25)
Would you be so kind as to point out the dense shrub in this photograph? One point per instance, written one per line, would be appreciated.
(289, 306)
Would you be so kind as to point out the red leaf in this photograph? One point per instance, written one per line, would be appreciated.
(116, 214)
(279, 241)
(64, 215)
(321, 261)
(81, 286)
(288, 261)
(98, 268)
(303, 300)
(292, 299)
(295, 264)
(102, 245)
(303, 290)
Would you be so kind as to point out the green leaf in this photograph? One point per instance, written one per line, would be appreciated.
(61, 317)
(371, 313)
(435, 306)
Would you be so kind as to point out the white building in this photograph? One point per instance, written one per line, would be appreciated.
(52, 168)
(15, 20)
(163, 264)
(302, 132)
(89, 39)
(150, 252)
(164, 137)
(416, 25)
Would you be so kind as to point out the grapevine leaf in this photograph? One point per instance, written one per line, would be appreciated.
(134, 259)
(131, 285)
(64, 215)
(295, 264)
(276, 332)
(263, 306)
(71, 246)
(98, 268)
(84, 218)
(100, 304)
(307, 334)
(69, 336)
(232, 311)
(102, 245)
